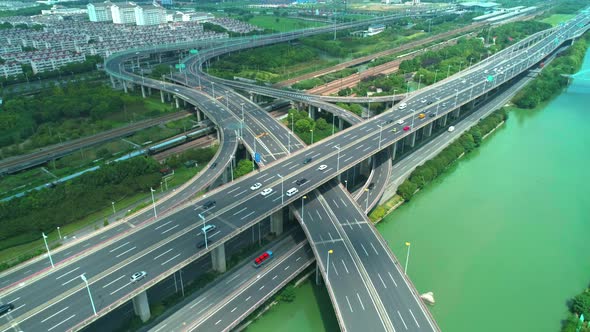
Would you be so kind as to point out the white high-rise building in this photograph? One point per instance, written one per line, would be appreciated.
(150, 15)
(100, 11)
(123, 13)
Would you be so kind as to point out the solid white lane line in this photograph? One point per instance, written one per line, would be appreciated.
(234, 309)
(411, 313)
(170, 259)
(160, 328)
(63, 321)
(15, 309)
(65, 274)
(361, 302)
(118, 289)
(195, 304)
(400, 316)
(383, 282)
(55, 314)
(124, 252)
(246, 216)
(169, 229)
(219, 321)
(365, 250)
(242, 210)
(249, 297)
(164, 224)
(74, 278)
(164, 253)
(12, 301)
(119, 247)
(372, 246)
(110, 283)
(349, 306)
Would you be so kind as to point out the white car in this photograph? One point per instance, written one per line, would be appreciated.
(322, 167)
(138, 276)
(400, 121)
(266, 191)
(256, 186)
(451, 129)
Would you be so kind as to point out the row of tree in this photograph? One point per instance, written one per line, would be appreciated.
(466, 143)
(579, 306)
(551, 81)
(23, 219)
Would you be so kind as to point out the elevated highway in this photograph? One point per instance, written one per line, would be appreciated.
(235, 213)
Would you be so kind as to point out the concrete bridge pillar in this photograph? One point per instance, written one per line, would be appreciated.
(311, 112)
(365, 166)
(149, 91)
(428, 129)
(412, 139)
(125, 87)
(393, 151)
(162, 96)
(457, 113)
(218, 258)
(198, 115)
(340, 124)
(176, 102)
(113, 82)
(141, 306)
(444, 120)
(143, 91)
(226, 176)
(276, 222)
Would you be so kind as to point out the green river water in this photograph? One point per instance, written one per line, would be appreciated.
(503, 239)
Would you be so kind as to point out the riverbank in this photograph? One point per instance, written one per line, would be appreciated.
(579, 318)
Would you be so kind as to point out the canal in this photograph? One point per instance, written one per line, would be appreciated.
(502, 239)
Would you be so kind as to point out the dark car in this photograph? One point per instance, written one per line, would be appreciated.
(432, 115)
(301, 181)
(371, 186)
(388, 121)
(213, 165)
(307, 160)
(6, 308)
(209, 204)
(429, 102)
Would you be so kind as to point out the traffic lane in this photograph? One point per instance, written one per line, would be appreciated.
(378, 264)
(110, 286)
(262, 285)
(228, 283)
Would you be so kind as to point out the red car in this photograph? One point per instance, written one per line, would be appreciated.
(406, 128)
(263, 258)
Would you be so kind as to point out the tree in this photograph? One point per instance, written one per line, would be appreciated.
(243, 167)
(105, 222)
(581, 304)
(321, 124)
(406, 190)
(302, 126)
(288, 294)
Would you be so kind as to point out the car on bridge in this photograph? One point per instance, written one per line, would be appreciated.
(422, 115)
(209, 204)
(400, 121)
(266, 192)
(137, 276)
(406, 128)
(292, 191)
(6, 308)
(260, 260)
(322, 167)
(256, 186)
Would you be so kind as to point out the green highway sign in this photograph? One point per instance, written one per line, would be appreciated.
(490, 78)
(194, 51)
(180, 66)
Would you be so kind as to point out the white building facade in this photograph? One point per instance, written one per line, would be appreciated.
(123, 13)
(150, 15)
(100, 12)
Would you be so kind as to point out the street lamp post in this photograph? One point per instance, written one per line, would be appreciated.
(393, 98)
(89, 294)
(435, 74)
(48, 252)
(254, 161)
(407, 258)
(311, 130)
(346, 184)
(302, 208)
(231, 167)
(203, 229)
(328, 264)
(282, 189)
(448, 70)
(113, 205)
(333, 117)
(367, 200)
(242, 125)
(58, 232)
(154, 202)
(292, 133)
(419, 81)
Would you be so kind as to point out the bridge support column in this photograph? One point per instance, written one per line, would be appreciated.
(393, 151)
(113, 82)
(198, 115)
(428, 129)
(162, 96)
(143, 91)
(412, 139)
(176, 102)
(218, 258)
(444, 119)
(141, 306)
(340, 124)
(125, 87)
(365, 166)
(226, 176)
(311, 112)
(457, 113)
(276, 222)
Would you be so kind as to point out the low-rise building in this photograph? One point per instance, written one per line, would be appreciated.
(8, 69)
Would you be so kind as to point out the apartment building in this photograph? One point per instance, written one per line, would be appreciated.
(150, 15)
(123, 13)
(100, 12)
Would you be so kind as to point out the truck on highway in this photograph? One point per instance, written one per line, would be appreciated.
(260, 260)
